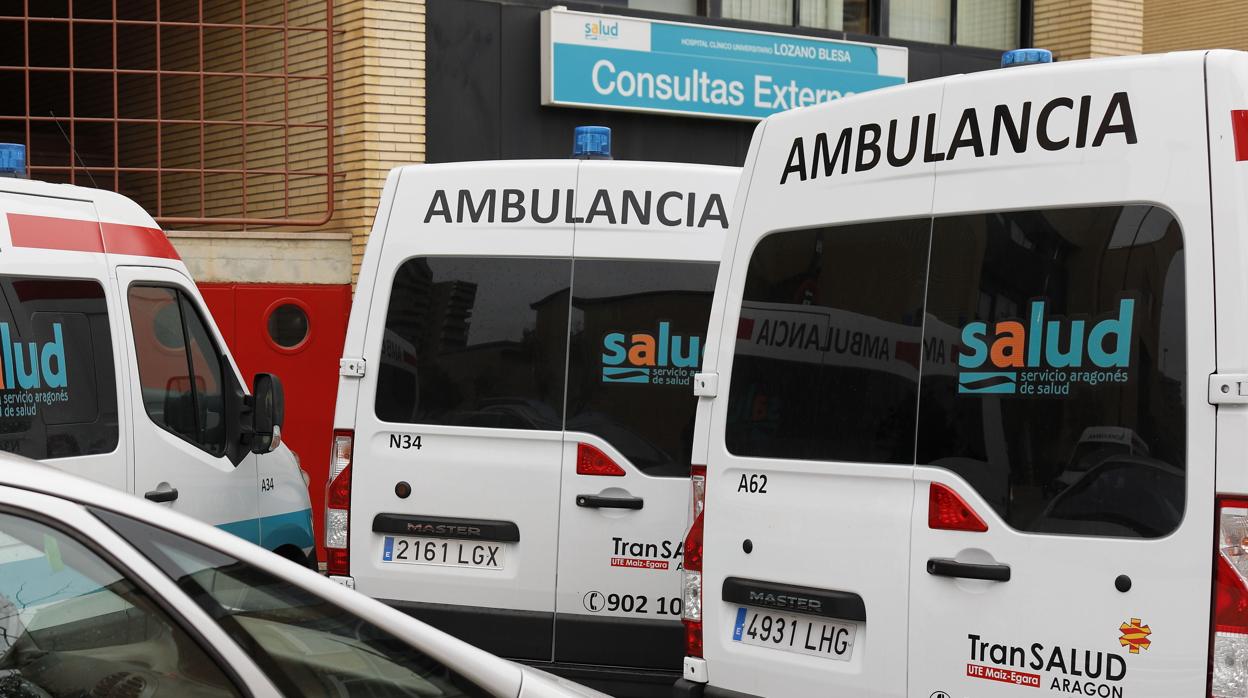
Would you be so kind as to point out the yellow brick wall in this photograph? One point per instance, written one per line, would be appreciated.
(231, 146)
(1075, 29)
(381, 104)
(1195, 24)
(379, 113)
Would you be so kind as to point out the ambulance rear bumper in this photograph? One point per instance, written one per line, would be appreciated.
(689, 689)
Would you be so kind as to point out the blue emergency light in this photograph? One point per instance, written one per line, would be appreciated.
(1026, 56)
(12, 160)
(591, 143)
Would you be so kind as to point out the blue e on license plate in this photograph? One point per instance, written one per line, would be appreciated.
(442, 552)
(818, 637)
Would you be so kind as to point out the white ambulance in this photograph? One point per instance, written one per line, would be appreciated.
(931, 295)
(514, 419)
(111, 368)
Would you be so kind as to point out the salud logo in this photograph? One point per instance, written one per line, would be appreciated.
(30, 365)
(642, 357)
(601, 30)
(1047, 355)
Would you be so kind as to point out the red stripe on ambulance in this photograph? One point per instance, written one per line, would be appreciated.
(74, 235)
(120, 238)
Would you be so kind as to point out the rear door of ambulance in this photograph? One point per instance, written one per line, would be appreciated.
(648, 243)
(458, 433)
(809, 476)
(1076, 279)
(63, 407)
(1227, 76)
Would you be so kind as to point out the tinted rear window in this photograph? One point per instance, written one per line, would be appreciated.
(58, 392)
(1065, 407)
(476, 341)
(1053, 352)
(638, 335)
(482, 341)
(826, 364)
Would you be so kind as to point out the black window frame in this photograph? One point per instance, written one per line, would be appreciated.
(184, 303)
(175, 617)
(879, 10)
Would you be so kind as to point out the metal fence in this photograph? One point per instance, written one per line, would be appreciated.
(218, 112)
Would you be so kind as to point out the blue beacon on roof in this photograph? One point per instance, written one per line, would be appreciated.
(591, 143)
(12, 160)
(1026, 56)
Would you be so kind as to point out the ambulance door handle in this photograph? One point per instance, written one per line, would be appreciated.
(945, 567)
(594, 501)
(162, 495)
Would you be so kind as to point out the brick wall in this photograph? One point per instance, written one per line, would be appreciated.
(1075, 29)
(380, 104)
(379, 123)
(1176, 26)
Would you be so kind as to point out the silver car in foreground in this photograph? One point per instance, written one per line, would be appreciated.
(106, 595)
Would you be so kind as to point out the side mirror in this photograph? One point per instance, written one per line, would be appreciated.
(268, 411)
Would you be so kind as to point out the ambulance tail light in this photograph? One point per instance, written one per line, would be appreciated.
(946, 511)
(691, 602)
(338, 505)
(1239, 132)
(1228, 660)
(591, 461)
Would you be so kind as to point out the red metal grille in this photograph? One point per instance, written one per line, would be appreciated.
(217, 111)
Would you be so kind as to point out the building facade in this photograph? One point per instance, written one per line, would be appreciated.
(1177, 26)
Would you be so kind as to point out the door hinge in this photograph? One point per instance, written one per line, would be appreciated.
(1228, 389)
(706, 384)
(351, 367)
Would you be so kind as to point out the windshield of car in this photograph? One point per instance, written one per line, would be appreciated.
(305, 644)
(73, 625)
